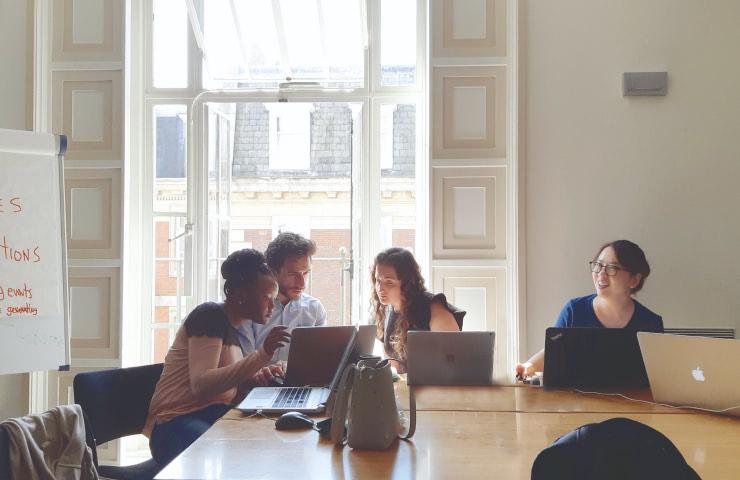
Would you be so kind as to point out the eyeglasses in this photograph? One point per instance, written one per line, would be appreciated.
(611, 269)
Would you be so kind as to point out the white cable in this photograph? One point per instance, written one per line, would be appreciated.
(257, 413)
(656, 403)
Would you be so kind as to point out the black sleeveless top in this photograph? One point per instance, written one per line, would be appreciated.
(422, 315)
(209, 319)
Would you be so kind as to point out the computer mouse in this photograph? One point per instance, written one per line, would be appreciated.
(294, 421)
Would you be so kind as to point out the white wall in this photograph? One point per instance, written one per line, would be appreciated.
(661, 171)
(15, 49)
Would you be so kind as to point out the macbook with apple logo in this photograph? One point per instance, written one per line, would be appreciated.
(449, 358)
(691, 371)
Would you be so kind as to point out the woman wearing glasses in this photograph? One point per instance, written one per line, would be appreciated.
(618, 271)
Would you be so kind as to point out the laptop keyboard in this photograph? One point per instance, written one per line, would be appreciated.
(292, 397)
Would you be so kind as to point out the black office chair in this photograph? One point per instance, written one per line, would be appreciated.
(115, 404)
(4, 453)
(459, 316)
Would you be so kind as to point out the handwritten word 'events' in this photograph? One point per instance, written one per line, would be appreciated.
(15, 292)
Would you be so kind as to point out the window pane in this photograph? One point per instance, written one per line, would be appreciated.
(315, 201)
(170, 44)
(398, 177)
(257, 44)
(241, 44)
(168, 304)
(344, 41)
(303, 37)
(386, 136)
(170, 147)
(290, 136)
(398, 42)
(221, 118)
(170, 204)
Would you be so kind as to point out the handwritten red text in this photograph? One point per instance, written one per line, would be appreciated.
(11, 205)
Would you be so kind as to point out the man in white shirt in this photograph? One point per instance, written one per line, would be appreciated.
(289, 257)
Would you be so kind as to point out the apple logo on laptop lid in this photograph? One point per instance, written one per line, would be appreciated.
(698, 374)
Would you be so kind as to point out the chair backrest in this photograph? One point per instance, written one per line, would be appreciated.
(116, 402)
(459, 316)
(615, 449)
(4, 453)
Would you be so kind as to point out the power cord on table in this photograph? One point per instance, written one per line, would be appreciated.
(656, 403)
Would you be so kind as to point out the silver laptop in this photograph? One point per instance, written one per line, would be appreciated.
(364, 343)
(693, 371)
(316, 359)
(449, 358)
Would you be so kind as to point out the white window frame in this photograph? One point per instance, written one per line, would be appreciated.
(366, 236)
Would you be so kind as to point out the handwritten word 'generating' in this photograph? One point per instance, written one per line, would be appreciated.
(15, 254)
(24, 310)
(15, 292)
(11, 205)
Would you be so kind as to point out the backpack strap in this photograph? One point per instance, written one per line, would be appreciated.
(411, 429)
(340, 411)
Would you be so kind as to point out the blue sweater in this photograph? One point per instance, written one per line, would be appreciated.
(579, 312)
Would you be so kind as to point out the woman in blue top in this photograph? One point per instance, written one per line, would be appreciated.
(618, 271)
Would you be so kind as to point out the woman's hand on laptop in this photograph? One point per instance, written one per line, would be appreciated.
(524, 369)
(536, 363)
(265, 374)
(277, 338)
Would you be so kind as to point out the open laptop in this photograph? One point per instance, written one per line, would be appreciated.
(364, 342)
(593, 358)
(449, 358)
(316, 359)
(693, 371)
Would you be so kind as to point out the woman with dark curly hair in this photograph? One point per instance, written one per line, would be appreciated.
(402, 303)
(205, 371)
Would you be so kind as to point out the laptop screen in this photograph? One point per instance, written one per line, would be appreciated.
(449, 358)
(315, 353)
(593, 357)
(364, 342)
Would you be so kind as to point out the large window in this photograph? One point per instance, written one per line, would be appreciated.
(279, 115)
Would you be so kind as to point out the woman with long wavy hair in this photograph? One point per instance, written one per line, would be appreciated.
(401, 303)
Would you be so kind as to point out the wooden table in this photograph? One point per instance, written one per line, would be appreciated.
(527, 399)
(497, 434)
